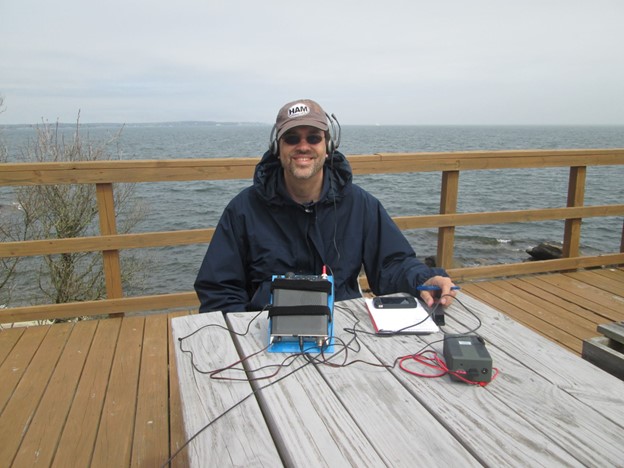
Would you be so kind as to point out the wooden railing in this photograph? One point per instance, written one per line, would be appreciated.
(106, 173)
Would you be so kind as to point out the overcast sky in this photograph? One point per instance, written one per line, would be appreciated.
(369, 62)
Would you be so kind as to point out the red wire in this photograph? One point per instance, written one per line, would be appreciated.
(435, 362)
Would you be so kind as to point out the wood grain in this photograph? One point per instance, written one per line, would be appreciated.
(239, 438)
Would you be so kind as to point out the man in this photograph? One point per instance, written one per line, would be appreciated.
(303, 213)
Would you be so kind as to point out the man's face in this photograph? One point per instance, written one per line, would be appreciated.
(302, 159)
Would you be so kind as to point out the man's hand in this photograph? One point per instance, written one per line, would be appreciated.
(445, 293)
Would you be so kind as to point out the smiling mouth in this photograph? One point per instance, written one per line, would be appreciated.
(302, 158)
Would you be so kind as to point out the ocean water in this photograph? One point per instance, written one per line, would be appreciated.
(191, 205)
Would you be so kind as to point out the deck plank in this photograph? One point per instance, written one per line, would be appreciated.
(564, 307)
(23, 404)
(177, 437)
(575, 325)
(616, 274)
(8, 338)
(566, 296)
(611, 285)
(491, 294)
(587, 296)
(40, 442)
(79, 434)
(25, 343)
(114, 439)
(151, 431)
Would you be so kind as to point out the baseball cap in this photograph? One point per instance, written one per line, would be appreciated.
(299, 113)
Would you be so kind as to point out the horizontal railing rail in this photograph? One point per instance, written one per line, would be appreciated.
(106, 173)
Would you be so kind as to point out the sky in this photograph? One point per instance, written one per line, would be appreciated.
(387, 62)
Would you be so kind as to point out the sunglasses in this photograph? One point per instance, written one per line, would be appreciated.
(293, 139)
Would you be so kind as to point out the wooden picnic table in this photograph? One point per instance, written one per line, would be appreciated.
(547, 407)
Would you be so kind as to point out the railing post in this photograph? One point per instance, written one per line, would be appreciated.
(448, 204)
(576, 197)
(108, 225)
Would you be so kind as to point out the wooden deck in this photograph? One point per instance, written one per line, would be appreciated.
(105, 392)
(91, 393)
(563, 307)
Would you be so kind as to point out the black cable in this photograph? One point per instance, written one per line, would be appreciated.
(235, 405)
(216, 325)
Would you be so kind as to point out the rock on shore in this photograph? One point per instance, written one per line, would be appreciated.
(545, 251)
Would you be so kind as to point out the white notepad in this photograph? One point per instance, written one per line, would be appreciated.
(414, 320)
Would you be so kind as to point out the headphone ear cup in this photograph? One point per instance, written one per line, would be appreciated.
(331, 146)
(273, 143)
(331, 136)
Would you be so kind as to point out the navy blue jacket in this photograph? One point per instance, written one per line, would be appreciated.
(263, 232)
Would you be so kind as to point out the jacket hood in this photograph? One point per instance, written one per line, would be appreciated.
(268, 180)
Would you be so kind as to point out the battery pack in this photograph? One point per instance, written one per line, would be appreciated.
(467, 356)
(301, 313)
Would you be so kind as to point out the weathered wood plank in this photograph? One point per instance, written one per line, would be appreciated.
(77, 441)
(385, 410)
(555, 409)
(177, 436)
(114, 439)
(463, 408)
(39, 444)
(553, 403)
(151, 429)
(19, 410)
(597, 390)
(240, 437)
(308, 422)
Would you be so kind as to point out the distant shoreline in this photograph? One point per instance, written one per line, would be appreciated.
(213, 123)
(194, 123)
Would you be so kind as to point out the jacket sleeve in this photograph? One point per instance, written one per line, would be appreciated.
(221, 281)
(389, 260)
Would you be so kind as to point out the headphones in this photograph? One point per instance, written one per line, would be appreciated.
(333, 141)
